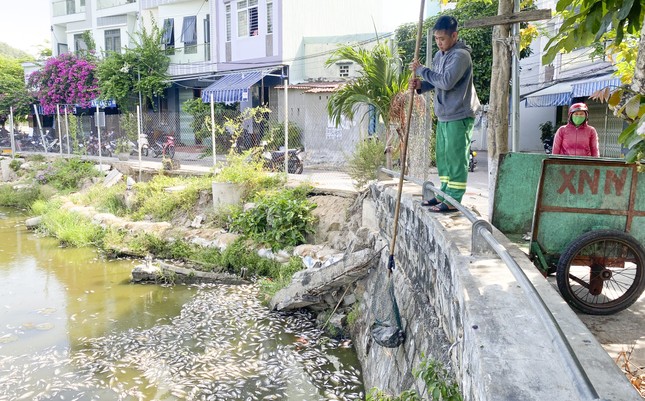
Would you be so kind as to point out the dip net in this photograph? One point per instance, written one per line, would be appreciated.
(386, 330)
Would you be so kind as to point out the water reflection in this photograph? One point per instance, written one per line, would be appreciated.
(72, 326)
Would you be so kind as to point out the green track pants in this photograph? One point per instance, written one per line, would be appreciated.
(453, 144)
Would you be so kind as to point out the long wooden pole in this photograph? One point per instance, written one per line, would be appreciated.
(404, 148)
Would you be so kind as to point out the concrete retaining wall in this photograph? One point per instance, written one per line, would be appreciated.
(470, 313)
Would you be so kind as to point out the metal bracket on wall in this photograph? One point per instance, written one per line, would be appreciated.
(479, 245)
(427, 191)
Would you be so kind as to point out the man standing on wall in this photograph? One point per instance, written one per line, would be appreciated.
(455, 104)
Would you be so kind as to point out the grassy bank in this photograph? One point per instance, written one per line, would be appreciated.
(280, 219)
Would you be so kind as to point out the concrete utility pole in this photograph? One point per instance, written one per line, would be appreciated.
(497, 134)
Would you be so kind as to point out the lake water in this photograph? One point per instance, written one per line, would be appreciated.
(73, 327)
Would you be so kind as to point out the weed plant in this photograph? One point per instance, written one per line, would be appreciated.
(247, 169)
(440, 385)
(280, 219)
(364, 163)
(67, 174)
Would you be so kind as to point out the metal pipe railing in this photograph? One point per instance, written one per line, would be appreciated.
(482, 229)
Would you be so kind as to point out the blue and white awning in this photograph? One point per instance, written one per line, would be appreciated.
(563, 93)
(582, 89)
(234, 87)
(554, 95)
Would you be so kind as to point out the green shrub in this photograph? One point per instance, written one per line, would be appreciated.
(15, 165)
(364, 163)
(247, 169)
(67, 174)
(275, 136)
(19, 198)
(280, 219)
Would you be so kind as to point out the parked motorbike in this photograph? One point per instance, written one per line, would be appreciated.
(164, 147)
(548, 145)
(143, 141)
(472, 162)
(93, 147)
(274, 161)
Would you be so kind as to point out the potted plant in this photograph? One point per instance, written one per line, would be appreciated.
(547, 131)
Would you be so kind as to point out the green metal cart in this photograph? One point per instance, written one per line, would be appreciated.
(585, 219)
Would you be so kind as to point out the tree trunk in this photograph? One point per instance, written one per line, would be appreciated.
(497, 134)
(639, 72)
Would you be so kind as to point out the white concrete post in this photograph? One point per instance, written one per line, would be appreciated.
(60, 134)
(213, 129)
(286, 125)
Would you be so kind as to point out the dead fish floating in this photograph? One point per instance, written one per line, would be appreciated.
(224, 345)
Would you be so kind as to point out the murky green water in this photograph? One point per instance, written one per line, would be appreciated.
(72, 327)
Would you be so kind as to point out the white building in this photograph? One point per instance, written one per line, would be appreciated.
(110, 22)
(235, 50)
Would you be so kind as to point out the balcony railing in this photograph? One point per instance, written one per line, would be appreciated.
(67, 7)
(102, 4)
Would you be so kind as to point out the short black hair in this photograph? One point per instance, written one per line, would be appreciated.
(446, 23)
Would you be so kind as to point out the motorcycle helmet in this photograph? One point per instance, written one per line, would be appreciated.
(578, 107)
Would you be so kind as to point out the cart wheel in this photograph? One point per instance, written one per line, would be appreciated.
(601, 272)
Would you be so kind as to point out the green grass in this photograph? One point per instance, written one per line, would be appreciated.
(71, 229)
(110, 200)
(19, 198)
(151, 198)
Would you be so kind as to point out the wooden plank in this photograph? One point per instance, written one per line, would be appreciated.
(523, 16)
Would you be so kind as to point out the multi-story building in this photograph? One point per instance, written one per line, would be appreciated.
(110, 22)
(236, 50)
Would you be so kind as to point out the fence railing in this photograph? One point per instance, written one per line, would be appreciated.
(200, 139)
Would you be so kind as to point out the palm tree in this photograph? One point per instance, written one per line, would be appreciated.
(382, 84)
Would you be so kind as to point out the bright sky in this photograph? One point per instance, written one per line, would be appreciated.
(25, 24)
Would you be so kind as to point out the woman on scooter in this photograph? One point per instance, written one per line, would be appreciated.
(577, 138)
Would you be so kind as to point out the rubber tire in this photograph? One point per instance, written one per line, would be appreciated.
(631, 294)
(106, 153)
(171, 152)
(295, 164)
(144, 152)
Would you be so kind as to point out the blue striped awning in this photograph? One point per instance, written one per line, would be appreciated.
(554, 95)
(233, 88)
(583, 89)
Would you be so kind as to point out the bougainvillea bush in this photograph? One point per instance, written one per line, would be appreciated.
(65, 79)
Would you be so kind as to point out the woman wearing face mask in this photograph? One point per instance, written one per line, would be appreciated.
(577, 138)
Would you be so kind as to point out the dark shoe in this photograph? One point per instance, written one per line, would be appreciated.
(442, 208)
(431, 202)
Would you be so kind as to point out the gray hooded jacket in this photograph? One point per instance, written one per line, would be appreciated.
(451, 77)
